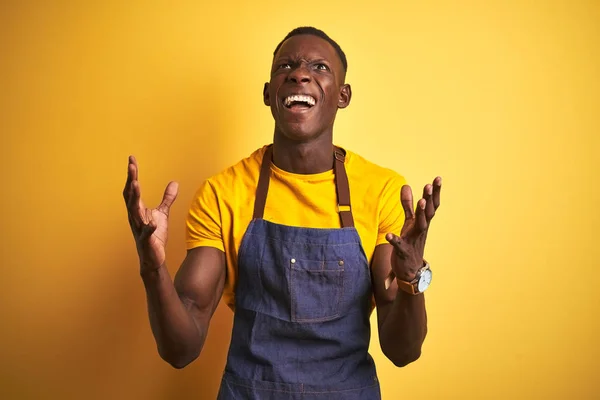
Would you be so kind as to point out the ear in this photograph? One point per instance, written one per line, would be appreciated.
(345, 96)
(266, 98)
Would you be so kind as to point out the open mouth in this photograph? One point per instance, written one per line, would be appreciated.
(299, 102)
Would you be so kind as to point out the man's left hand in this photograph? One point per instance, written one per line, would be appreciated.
(409, 247)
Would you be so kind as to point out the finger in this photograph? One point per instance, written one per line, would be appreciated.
(169, 197)
(135, 206)
(420, 218)
(406, 199)
(437, 188)
(133, 162)
(127, 188)
(130, 219)
(131, 176)
(429, 208)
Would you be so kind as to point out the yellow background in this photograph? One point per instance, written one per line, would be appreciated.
(498, 97)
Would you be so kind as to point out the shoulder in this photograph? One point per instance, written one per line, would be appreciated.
(242, 173)
(373, 175)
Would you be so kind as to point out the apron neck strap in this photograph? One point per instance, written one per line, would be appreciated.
(263, 184)
(342, 187)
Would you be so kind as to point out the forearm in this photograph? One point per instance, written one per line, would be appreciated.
(404, 327)
(178, 338)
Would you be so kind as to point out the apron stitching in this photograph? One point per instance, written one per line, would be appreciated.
(292, 294)
(301, 388)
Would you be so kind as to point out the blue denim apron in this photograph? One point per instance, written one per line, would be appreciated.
(301, 325)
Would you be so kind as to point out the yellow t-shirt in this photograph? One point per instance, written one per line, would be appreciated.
(224, 204)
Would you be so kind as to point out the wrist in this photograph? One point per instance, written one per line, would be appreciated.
(150, 269)
(409, 269)
(420, 282)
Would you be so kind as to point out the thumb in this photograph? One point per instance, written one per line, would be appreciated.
(398, 243)
(169, 197)
(394, 240)
(147, 231)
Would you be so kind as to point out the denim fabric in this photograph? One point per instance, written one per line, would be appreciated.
(301, 326)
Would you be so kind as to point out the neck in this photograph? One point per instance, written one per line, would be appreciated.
(310, 157)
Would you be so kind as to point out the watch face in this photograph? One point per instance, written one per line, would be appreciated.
(424, 281)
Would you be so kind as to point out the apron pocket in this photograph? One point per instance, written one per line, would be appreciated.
(316, 290)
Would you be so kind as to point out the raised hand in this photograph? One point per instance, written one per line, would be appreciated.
(409, 247)
(149, 226)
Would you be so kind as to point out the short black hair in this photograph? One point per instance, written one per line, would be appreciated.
(309, 30)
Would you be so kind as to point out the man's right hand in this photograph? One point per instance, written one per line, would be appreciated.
(180, 310)
(149, 226)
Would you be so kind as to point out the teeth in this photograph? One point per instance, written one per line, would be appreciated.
(299, 97)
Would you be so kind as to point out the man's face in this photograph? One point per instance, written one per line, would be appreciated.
(306, 88)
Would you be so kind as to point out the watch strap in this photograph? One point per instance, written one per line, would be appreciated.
(408, 287)
(412, 286)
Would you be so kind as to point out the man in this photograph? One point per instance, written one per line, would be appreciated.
(300, 239)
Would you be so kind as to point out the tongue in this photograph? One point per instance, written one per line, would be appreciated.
(299, 106)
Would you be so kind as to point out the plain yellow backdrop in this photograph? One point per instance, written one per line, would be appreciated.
(501, 98)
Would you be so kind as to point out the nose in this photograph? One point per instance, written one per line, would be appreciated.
(299, 75)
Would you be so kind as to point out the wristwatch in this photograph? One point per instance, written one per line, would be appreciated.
(420, 283)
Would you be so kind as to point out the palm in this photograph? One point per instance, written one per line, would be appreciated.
(157, 241)
(149, 226)
(409, 247)
(159, 236)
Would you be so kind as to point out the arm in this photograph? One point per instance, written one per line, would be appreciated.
(180, 312)
(402, 318)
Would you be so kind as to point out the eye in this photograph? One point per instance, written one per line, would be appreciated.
(284, 66)
(321, 67)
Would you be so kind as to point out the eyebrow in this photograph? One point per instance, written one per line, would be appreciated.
(287, 58)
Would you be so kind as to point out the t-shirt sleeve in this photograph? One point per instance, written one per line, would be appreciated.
(391, 213)
(203, 222)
